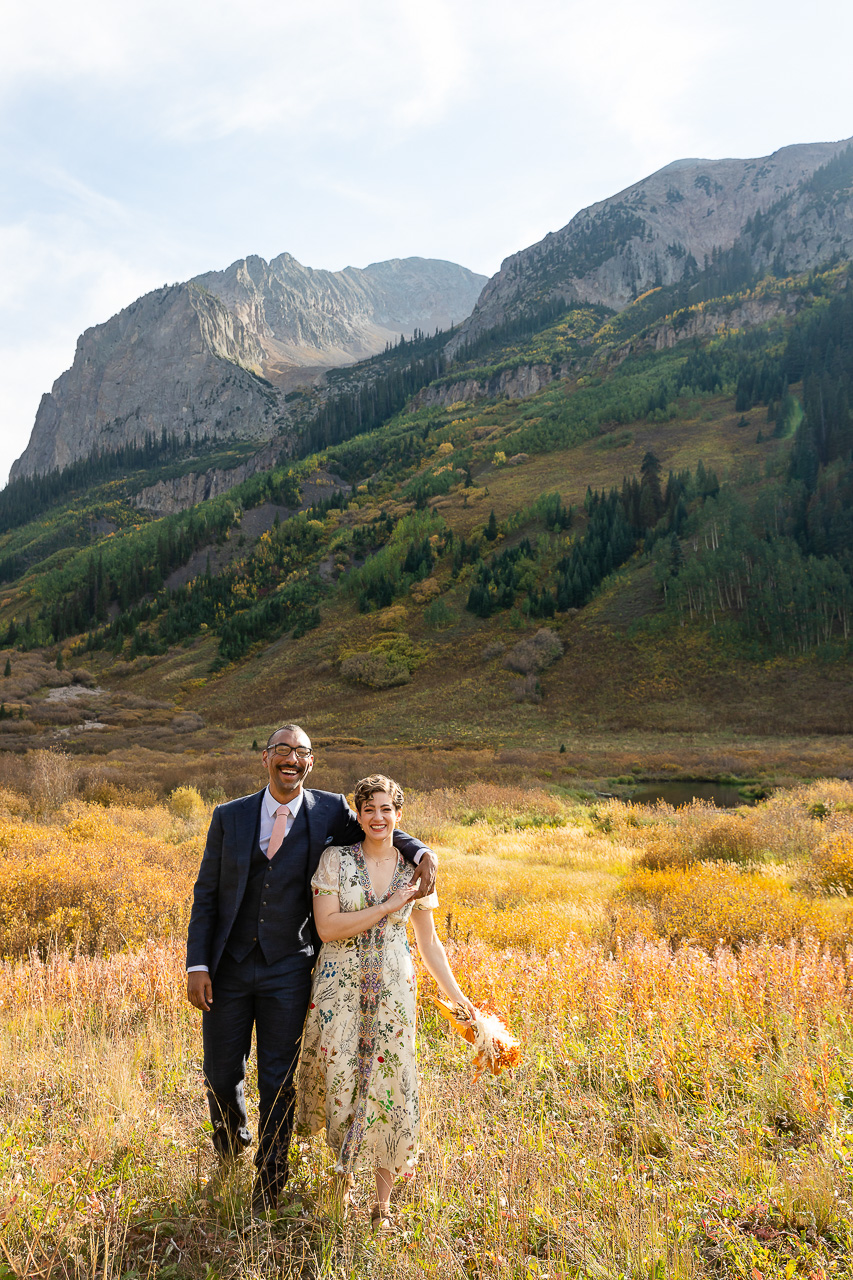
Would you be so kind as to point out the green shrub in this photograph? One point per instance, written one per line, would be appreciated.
(438, 615)
(376, 670)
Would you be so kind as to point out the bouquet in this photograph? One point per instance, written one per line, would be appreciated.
(496, 1047)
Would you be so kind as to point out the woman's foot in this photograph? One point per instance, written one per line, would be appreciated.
(381, 1222)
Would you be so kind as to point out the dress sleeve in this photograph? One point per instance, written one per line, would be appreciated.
(429, 903)
(326, 878)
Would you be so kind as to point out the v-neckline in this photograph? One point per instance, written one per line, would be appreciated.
(372, 897)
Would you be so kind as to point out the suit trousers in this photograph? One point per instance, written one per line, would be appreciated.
(274, 999)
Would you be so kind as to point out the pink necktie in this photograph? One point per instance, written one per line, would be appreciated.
(279, 830)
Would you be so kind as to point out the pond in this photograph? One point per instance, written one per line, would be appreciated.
(723, 795)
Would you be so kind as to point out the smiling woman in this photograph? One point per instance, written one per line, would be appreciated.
(358, 1074)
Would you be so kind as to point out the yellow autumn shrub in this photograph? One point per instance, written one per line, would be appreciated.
(95, 880)
(186, 803)
(729, 838)
(831, 869)
(701, 833)
(711, 904)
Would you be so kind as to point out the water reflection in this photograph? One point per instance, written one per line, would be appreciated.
(723, 795)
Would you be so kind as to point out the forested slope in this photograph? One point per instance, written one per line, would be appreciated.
(677, 509)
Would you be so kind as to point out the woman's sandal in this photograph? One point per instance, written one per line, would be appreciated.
(381, 1222)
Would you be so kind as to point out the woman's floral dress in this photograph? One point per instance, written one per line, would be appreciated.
(358, 1073)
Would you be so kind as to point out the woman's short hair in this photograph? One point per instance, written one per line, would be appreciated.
(378, 782)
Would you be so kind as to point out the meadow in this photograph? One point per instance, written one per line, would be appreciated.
(680, 980)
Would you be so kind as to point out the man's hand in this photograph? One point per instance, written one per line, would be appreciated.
(424, 876)
(200, 990)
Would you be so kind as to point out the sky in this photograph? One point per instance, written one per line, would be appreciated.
(143, 144)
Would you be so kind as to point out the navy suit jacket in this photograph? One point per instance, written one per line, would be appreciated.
(224, 870)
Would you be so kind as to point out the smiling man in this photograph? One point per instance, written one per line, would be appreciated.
(251, 945)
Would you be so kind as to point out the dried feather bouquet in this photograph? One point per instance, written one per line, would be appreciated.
(495, 1046)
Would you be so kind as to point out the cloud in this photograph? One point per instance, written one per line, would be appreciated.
(23, 368)
(201, 71)
(60, 275)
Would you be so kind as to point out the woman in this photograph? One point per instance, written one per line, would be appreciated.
(358, 1074)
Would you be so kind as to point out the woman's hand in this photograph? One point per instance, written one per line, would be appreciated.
(464, 1003)
(401, 897)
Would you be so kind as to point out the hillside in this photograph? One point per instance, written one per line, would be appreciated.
(659, 545)
(581, 522)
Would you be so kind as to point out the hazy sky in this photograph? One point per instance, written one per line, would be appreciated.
(146, 143)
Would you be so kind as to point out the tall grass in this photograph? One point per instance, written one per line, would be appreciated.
(676, 1114)
(681, 1110)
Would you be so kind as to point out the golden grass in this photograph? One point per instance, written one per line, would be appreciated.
(518, 867)
(96, 879)
(675, 1114)
(681, 1110)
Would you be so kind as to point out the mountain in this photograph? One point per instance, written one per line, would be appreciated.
(308, 318)
(215, 357)
(667, 227)
(585, 519)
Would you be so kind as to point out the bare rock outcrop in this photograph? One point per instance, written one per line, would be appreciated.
(310, 318)
(521, 381)
(515, 384)
(182, 492)
(176, 359)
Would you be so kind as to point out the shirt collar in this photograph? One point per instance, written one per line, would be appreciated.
(294, 805)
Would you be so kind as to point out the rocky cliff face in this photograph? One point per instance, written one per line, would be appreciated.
(178, 494)
(669, 223)
(515, 384)
(525, 380)
(212, 356)
(177, 358)
(304, 317)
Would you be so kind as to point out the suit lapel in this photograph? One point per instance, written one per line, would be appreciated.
(245, 833)
(309, 804)
(316, 841)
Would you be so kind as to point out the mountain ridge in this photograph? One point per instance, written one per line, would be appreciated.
(491, 561)
(216, 356)
(658, 229)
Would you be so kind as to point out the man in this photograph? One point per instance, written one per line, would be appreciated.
(251, 945)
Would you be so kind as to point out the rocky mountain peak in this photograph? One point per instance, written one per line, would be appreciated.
(210, 357)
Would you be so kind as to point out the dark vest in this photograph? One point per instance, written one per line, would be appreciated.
(276, 909)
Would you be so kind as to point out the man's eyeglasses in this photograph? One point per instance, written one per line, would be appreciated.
(282, 749)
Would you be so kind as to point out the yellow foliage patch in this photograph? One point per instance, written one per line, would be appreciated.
(712, 905)
(94, 881)
(832, 863)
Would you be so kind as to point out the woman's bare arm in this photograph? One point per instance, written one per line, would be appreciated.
(435, 958)
(333, 924)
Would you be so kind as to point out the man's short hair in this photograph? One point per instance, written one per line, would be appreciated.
(290, 728)
(378, 782)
